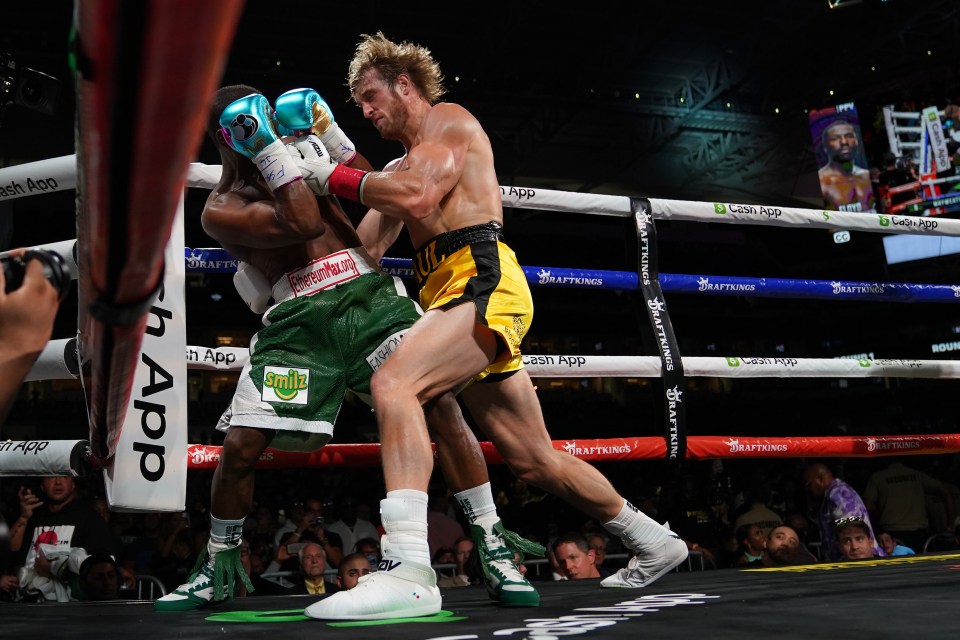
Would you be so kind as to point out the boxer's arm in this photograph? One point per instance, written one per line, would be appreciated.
(429, 171)
(293, 218)
(378, 232)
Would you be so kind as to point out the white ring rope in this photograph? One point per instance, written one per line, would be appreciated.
(233, 359)
(59, 174)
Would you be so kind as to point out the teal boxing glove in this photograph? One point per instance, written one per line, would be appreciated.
(304, 111)
(247, 126)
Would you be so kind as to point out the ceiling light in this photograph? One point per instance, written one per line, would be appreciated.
(840, 4)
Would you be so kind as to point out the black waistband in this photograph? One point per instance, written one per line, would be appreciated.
(431, 254)
(452, 241)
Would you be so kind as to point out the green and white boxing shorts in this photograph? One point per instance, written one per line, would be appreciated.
(334, 322)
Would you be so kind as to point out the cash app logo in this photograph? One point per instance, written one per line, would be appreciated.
(719, 209)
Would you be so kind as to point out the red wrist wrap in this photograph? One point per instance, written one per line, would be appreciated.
(346, 182)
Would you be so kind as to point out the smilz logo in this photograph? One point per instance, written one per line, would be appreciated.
(286, 384)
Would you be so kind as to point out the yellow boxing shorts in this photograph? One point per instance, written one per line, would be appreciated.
(474, 265)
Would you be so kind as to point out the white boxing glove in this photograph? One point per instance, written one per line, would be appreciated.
(314, 162)
(341, 148)
(322, 174)
(253, 287)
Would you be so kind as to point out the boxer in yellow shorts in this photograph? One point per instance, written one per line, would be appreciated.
(444, 190)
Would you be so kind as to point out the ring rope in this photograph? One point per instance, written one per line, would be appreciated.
(217, 260)
(623, 449)
(52, 364)
(59, 174)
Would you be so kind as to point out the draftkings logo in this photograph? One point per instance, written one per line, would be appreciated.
(285, 384)
(892, 445)
(750, 447)
(545, 277)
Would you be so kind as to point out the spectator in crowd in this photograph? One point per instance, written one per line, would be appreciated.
(598, 544)
(366, 512)
(751, 542)
(896, 498)
(292, 519)
(99, 578)
(833, 500)
(309, 577)
(351, 569)
(463, 575)
(370, 547)
(312, 529)
(285, 558)
(855, 539)
(442, 528)
(891, 546)
(782, 548)
(444, 556)
(63, 523)
(9, 582)
(143, 551)
(259, 530)
(350, 527)
(691, 517)
(937, 507)
(177, 551)
(726, 544)
(575, 559)
(756, 511)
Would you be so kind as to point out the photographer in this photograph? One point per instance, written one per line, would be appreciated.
(26, 323)
(311, 530)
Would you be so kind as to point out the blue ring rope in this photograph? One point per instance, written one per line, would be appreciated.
(217, 260)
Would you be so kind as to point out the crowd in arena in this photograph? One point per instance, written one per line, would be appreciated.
(317, 530)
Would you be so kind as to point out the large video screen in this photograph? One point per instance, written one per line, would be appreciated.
(841, 158)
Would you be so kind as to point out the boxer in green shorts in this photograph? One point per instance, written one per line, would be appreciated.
(315, 344)
(331, 318)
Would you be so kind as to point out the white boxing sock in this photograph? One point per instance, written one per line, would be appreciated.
(404, 517)
(227, 532)
(478, 505)
(635, 528)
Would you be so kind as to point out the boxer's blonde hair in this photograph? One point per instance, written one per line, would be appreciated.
(390, 60)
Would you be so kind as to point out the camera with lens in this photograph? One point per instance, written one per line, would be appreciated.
(26, 87)
(317, 522)
(54, 269)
